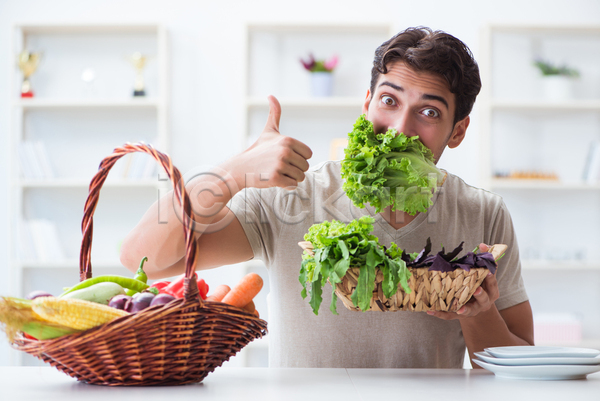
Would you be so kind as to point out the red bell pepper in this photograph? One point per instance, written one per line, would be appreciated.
(176, 287)
(160, 285)
(30, 337)
(202, 288)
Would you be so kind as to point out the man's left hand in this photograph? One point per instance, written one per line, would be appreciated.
(482, 300)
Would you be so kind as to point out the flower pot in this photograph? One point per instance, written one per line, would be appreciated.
(557, 87)
(321, 84)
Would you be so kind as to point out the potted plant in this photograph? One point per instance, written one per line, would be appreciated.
(321, 73)
(557, 80)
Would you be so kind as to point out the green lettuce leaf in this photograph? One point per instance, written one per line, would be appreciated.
(337, 247)
(388, 169)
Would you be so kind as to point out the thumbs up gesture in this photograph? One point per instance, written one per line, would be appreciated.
(274, 159)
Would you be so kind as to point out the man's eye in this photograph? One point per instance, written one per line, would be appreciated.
(388, 101)
(431, 113)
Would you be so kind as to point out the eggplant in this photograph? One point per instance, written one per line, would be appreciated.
(140, 302)
(119, 301)
(162, 299)
(36, 294)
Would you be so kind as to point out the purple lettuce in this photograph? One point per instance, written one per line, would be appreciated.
(447, 262)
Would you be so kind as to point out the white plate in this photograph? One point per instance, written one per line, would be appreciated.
(541, 372)
(537, 361)
(530, 351)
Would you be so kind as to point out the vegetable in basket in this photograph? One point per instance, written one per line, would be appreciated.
(125, 282)
(49, 317)
(140, 275)
(17, 315)
(219, 293)
(175, 287)
(100, 293)
(244, 291)
(333, 248)
(388, 169)
(337, 247)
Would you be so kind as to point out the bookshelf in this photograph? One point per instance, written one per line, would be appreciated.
(59, 137)
(557, 220)
(273, 54)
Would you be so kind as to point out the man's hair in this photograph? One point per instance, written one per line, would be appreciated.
(436, 52)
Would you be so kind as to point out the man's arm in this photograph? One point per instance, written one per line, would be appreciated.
(493, 328)
(273, 160)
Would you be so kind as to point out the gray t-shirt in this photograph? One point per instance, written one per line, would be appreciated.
(276, 219)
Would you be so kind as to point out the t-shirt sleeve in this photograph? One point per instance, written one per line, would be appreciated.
(249, 207)
(510, 282)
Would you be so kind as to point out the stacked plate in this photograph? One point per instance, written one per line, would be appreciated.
(540, 363)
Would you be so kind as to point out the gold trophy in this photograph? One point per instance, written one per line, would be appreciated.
(28, 63)
(139, 62)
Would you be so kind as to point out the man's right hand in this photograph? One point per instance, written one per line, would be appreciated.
(274, 160)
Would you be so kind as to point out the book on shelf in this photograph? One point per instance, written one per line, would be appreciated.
(135, 166)
(34, 160)
(40, 241)
(591, 170)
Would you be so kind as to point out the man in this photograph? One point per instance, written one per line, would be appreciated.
(423, 83)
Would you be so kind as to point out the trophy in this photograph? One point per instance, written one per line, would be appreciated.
(139, 62)
(88, 76)
(28, 63)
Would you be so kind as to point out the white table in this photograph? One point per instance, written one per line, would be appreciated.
(263, 384)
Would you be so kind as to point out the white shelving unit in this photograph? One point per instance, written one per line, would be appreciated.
(78, 124)
(557, 221)
(273, 67)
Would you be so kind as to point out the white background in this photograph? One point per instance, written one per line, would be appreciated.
(206, 45)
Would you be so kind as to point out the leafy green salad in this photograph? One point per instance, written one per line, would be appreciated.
(388, 169)
(337, 246)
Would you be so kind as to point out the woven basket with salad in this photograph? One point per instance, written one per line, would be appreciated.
(388, 169)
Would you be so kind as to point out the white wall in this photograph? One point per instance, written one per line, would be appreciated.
(206, 45)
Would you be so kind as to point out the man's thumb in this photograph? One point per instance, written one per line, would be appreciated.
(274, 114)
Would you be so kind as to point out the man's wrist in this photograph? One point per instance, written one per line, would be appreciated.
(233, 174)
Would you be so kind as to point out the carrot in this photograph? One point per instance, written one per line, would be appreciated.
(250, 307)
(219, 293)
(244, 291)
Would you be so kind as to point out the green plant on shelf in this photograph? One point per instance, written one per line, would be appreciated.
(548, 69)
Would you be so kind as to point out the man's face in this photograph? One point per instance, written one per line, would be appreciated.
(415, 103)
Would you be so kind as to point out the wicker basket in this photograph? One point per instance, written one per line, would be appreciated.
(430, 290)
(174, 344)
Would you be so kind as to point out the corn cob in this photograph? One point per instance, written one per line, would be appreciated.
(75, 313)
(16, 315)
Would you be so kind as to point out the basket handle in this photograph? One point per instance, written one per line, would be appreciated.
(87, 225)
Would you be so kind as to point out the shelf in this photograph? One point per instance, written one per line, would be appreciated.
(290, 102)
(80, 183)
(352, 28)
(31, 29)
(56, 104)
(545, 29)
(559, 265)
(507, 183)
(544, 105)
